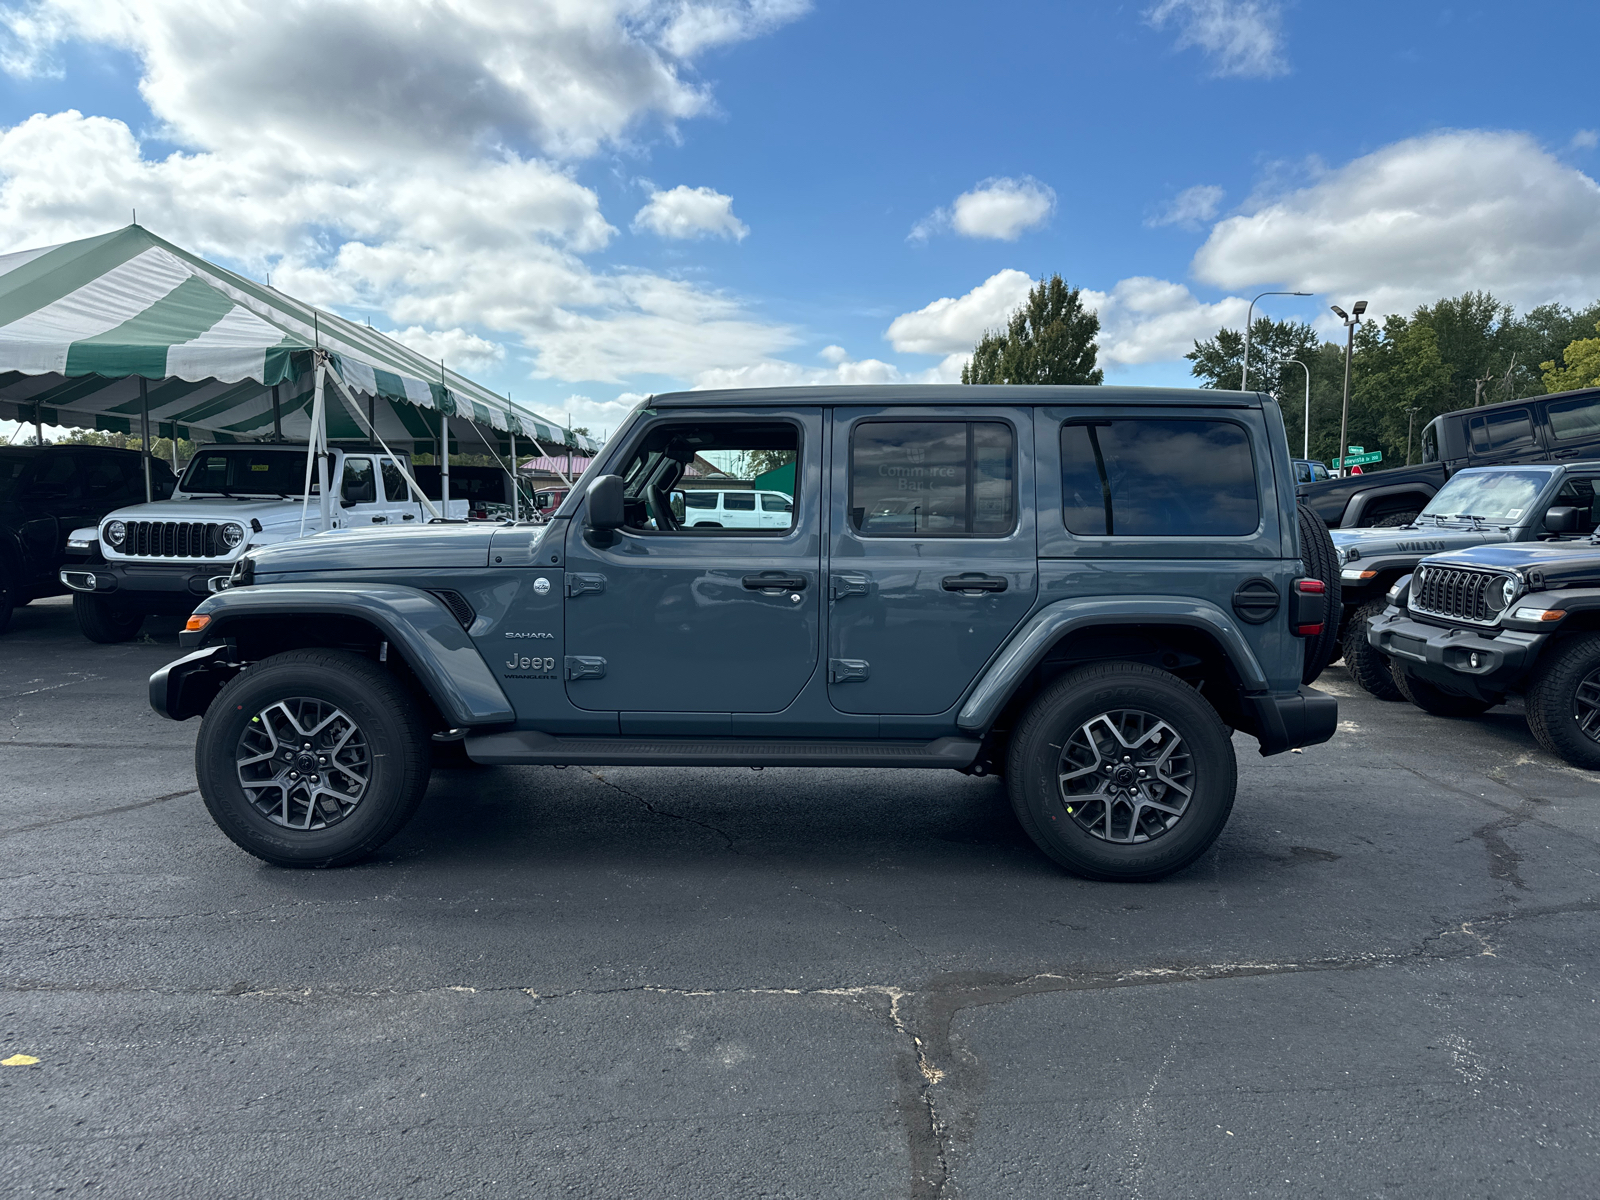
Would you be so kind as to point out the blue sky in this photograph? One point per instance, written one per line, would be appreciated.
(579, 201)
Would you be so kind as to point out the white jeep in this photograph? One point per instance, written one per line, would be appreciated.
(167, 556)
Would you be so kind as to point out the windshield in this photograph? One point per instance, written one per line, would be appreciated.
(242, 471)
(1499, 497)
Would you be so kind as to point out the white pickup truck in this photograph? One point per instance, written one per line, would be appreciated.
(167, 556)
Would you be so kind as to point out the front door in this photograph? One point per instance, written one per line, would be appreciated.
(360, 502)
(933, 559)
(400, 507)
(668, 618)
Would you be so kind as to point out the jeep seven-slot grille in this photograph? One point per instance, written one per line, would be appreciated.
(174, 539)
(1451, 592)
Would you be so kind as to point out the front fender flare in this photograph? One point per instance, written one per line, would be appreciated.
(1029, 644)
(418, 624)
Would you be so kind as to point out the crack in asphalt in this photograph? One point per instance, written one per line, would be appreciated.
(940, 1082)
(660, 812)
(99, 812)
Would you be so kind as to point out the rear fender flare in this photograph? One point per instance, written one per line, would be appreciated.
(420, 627)
(1027, 647)
(1363, 500)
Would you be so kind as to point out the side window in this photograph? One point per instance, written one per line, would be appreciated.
(678, 471)
(103, 478)
(56, 478)
(1430, 442)
(358, 485)
(933, 479)
(1578, 493)
(1499, 433)
(778, 504)
(1158, 477)
(394, 483)
(1302, 472)
(1579, 418)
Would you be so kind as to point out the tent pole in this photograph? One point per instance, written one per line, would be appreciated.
(175, 448)
(277, 416)
(516, 507)
(38, 425)
(144, 438)
(444, 463)
(321, 434)
(372, 414)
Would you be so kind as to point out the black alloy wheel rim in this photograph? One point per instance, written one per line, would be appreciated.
(1586, 705)
(1126, 776)
(303, 763)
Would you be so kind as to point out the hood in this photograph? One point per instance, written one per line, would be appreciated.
(210, 508)
(1563, 564)
(378, 548)
(1425, 539)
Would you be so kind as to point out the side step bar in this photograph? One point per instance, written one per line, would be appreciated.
(528, 747)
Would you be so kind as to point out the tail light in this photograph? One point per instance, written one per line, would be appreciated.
(1308, 607)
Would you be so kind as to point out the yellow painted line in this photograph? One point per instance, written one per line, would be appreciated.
(18, 1060)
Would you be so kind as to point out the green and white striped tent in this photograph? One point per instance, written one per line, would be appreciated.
(222, 357)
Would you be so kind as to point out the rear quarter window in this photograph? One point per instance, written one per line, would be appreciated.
(1158, 477)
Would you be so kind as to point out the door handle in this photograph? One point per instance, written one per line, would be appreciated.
(774, 580)
(379, 520)
(973, 583)
(408, 516)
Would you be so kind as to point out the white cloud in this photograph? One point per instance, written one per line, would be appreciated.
(1001, 208)
(697, 26)
(1427, 217)
(1145, 320)
(778, 373)
(1586, 139)
(1242, 37)
(686, 212)
(375, 171)
(1190, 207)
(457, 348)
(953, 325)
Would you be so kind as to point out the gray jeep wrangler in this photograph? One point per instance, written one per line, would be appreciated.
(1085, 589)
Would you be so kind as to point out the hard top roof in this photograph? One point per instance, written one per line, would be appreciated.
(934, 394)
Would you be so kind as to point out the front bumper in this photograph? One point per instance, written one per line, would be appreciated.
(1445, 656)
(149, 582)
(1287, 721)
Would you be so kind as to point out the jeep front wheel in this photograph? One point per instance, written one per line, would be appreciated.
(1436, 700)
(100, 620)
(312, 758)
(1368, 665)
(1563, 702)
(1121, 772)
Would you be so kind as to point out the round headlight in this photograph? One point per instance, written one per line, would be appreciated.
(232, 535)
(1500, 595)
(116, 531)
(1421, 576)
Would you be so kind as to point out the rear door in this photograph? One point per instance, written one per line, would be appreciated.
(399, 505)
(933, 557)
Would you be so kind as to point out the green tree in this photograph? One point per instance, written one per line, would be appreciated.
(1049, 339)
(1579, 366)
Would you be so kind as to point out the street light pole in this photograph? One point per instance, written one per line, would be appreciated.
(1244, 373)
(1306, 452)
(1350, 322)
(1411, 421)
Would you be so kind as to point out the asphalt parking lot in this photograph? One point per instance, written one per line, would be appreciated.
(717, 982)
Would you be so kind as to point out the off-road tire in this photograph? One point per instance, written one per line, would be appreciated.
(1060, 714)
(1436, 700)
(1316, 553)
(1368, 665)
(101, 621)
(387, 718)
(1551, 700)
(1394, 520)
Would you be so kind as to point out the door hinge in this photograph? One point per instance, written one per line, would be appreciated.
(847, 670)
(581, 666)
(582, 585)
(840, 586)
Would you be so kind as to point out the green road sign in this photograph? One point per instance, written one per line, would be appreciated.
(1357, 460)
(1355, 449)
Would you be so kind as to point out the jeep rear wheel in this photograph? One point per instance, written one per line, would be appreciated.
(1368, 665)
(1563, 702)
(1121, 772)
(1436, 700)
(312, 758)
(102, 621)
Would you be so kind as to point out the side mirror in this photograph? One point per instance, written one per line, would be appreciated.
(603, 504)
(1561, 520)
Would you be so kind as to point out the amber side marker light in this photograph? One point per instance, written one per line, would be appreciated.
(196, 623)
